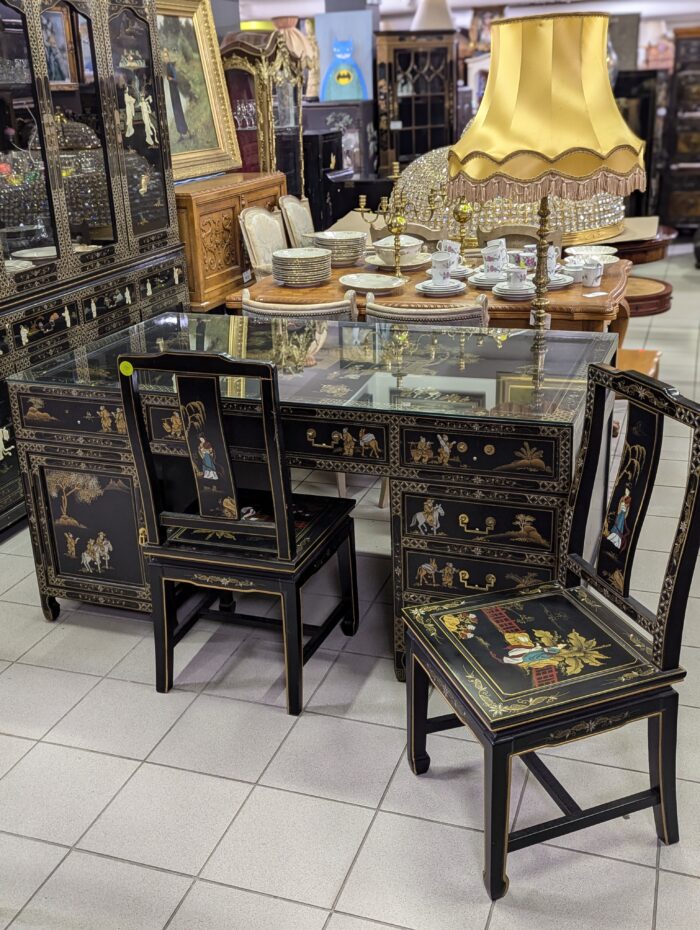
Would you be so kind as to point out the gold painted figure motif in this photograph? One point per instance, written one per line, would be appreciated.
(173, 426)
(105, 419)
(428, 519)
(206, 452)
(71, 542)
(120, 421)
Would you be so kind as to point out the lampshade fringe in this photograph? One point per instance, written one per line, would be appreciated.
(602, 182)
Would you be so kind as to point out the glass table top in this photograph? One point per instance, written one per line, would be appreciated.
(418, 369)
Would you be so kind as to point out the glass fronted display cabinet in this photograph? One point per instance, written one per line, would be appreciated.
(87, 208)
(416, 94)
(265, 85)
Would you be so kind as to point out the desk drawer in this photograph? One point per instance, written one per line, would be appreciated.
(358, 440)
(427, 572)
(518, 455)
(491, 521)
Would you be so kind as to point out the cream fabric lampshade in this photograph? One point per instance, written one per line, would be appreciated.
(432, 14)
(548, 122)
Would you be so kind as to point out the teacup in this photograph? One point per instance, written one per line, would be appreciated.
(574, 270)
(517, 276)
(441, 262)
(499, 244)
(494, 260)
(449, 245)
(592, 272)
(527, 259)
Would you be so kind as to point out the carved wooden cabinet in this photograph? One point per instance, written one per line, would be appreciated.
(88, 228)
(207, 213)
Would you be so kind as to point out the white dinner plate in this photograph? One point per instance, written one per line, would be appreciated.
(371, 283)
(502, 290)
(14, 265)
(441, 290)
(558, 281)
(481, 279)
(44, 253)
(590, 250)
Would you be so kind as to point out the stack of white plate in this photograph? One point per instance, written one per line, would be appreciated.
(524, 291)
(446, 289)
(301, 267)
(485, 279)
(347, 246)
(558, 281)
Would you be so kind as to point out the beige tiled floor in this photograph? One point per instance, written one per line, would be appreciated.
(211, 809)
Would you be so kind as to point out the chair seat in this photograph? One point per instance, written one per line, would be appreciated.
(538, 652)
(315, 519)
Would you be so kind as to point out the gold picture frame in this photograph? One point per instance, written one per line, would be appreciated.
(202, 134)
(59, 47)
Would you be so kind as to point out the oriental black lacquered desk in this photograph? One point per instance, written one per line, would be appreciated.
(475, 429)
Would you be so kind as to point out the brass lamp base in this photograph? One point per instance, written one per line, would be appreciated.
(539, 318)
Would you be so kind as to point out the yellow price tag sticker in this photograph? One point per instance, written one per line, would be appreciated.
(126, 368)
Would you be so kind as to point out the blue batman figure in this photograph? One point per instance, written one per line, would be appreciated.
(343, 79)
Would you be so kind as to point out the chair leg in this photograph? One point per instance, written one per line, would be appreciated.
(293, 647)
(164, 622)
(341, 484)
(662, 733)
(417, 693)
(384, 494)
(497, 815)
(348, 584)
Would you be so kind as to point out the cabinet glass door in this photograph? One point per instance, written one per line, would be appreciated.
(69, 49)
(241, 91)
(27, 230)
(137, 100)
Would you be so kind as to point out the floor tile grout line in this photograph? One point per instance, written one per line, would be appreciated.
(367, 832)
(656, 887)
(37, 890)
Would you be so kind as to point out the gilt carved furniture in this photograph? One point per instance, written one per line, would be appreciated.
(267, 79)
(207, 214)
(88, 233)
(343, 309)
(451, 416)
(231, 528)
(471, 314)
(562, 661)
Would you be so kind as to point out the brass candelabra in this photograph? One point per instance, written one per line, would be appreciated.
(395, 213)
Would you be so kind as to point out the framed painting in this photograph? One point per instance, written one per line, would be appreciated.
(59, 47)
(200, 125)
(87, 64)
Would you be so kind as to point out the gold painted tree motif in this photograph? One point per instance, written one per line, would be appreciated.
(194, 415)
(527, 458)
(575, 654)
(64, 485)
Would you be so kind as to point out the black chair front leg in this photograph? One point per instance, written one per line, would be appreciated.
(348, 583)
(164, 613)
(662, 737)
(293, 647)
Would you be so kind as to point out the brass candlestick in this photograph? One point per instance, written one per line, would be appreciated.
(539, 318)
(462, 213)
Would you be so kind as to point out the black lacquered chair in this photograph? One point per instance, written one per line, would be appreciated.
(561, 662)
(231, 521)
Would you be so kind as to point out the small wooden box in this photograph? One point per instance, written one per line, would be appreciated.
(207, 214)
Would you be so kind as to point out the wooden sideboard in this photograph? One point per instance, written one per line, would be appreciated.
(207, 214)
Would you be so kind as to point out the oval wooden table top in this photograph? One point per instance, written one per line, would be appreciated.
(571, 307)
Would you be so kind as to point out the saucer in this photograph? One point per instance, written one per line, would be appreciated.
(508, 293)
(482, 279)
(558, 281)
(371, 283)
(456, 272)
(441, 290)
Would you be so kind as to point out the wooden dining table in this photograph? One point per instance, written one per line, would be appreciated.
(587, 309)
